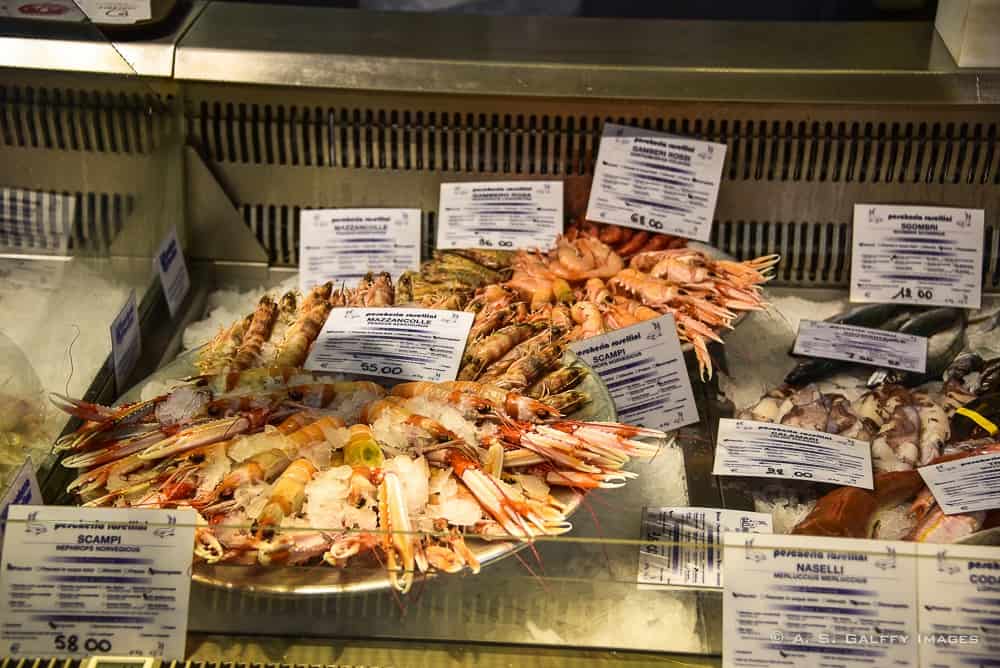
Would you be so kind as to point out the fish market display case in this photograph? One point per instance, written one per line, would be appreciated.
(91, 143)
(247, 114)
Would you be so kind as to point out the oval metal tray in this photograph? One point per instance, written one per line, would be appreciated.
(362, 574)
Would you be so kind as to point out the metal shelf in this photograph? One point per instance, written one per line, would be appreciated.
(83, 48)
(569, 57)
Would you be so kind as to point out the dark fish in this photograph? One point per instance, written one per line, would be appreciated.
(989, 377)
(868, 315)
(945, 329)
(881, 316)
(962, 366)
(965, 428)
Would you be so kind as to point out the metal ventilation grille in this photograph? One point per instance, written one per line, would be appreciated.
(826, 263)
(884, 152)
(539, 144)
(817, 254)
(52, 222)
(81, 120)
(276, 227)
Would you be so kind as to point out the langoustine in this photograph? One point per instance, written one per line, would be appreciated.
(703, 294)
(417, 473)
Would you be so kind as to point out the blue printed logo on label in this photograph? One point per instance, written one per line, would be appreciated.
(168, 255)
(124, 324)
(167, 531)
(21, 497)
(33, 527)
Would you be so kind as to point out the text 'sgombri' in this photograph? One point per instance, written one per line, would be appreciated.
(863, 345)
(342, 245)
(924, 255)
(398, 343)
(88, 581)
(656, 182)
(500, 215)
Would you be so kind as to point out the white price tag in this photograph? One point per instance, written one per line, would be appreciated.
(35, 220)
(643, 367)
(22, 491)
(399, 343)
(502, 215)
(959, 589)
(656, 182)
(921, 255)
(965, 485)
(689, 551)
(116, 11)
(863, 345)
(85, 581)
(170, 265)
(813, 602)
(126, 341)
(345, 244)
(767, 450)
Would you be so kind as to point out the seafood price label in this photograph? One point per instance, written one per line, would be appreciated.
(500, 215)
(399, 343)
(116, 11)
(656, 182)
(685, 544)
(767, 450)
(170, 265)
(345, 244)
(643, 367)
(126, 341)
(965, 485)
(86, 581)
(862, 345)
(811, 601)
(36, 221)
(23, 490)
(920, 255)
(959, 589)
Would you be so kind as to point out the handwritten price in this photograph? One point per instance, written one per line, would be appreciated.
(771, 470)
(385, 369)
(502, 243)
(907, 293)
(71, 643)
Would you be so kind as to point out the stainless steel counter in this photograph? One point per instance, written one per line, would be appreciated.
(567, 57)
(84, 48)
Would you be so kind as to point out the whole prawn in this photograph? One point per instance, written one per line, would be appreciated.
(513, 404)
(257, 333)
(483, 353)
(286, 498)
(312, 315)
